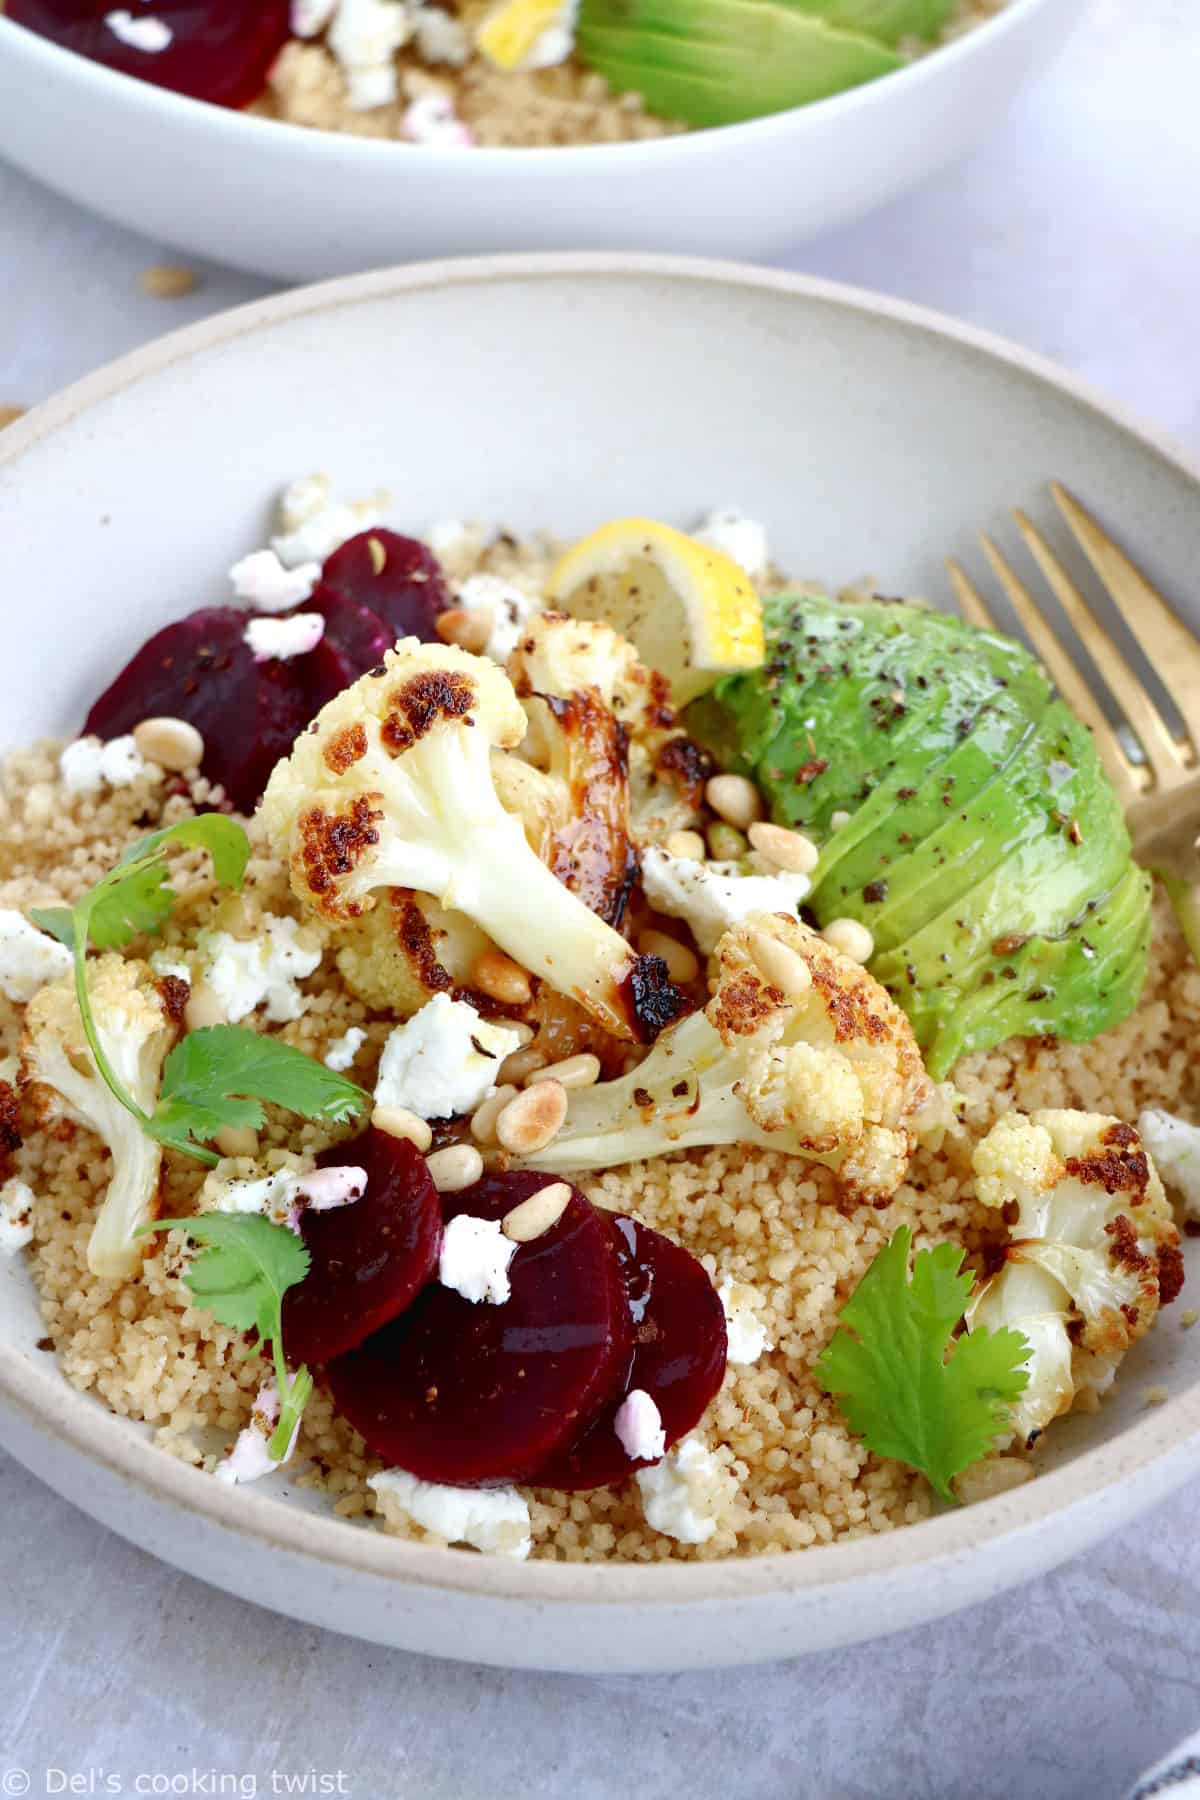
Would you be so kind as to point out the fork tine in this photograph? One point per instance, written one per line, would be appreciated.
(1172, 651)
(1066, 677)
(971, 602)
(1167, 759)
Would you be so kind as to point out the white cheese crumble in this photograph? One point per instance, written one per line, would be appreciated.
(509, 607)
(495, 1520)
(1175, 1148)
(675, 1492)
(365, 36)
(442, 1061)
(745, 540)
(315, 525)
(250, 1458)
(285, 1194)
(163, 964)
(474, 1259)
(746, 1335)
(261, 580)
(16, 1216)
(278, 640)
(28, 957)
(440, 37)
(639, 1427)
(710, 897)
(431, 119)
(148, 34)
(243, 973)
(87, 765)
(342, 1052)
(310, 17)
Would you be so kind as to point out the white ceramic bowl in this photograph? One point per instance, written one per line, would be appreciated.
(301, 205)
(562, 391)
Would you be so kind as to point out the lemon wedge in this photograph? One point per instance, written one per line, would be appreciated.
(690, 611)
(511, 34)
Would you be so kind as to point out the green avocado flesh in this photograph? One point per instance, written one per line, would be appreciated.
(984, 848)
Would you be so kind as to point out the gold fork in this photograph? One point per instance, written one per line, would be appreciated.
(1161, 794)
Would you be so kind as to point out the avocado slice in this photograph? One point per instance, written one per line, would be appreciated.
(984, 845)
(715, 62)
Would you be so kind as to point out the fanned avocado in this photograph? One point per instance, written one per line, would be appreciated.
(982, 844)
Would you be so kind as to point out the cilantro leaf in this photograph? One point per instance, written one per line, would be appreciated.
(220, 1075)
(900, 1382)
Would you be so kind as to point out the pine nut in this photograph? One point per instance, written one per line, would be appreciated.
(786, 849)
(688, 844)
(734, 799)
(851, 938)
(378, 555)
(573, 1072)
(167, 281)
(500, 978)
(469, 630)
(483, 1119)
(535, 1216)
(172, 743)
(203, 1008)
(994, 1475)
(398, 1122)
(237, 1140)
(518, 1067)
(682, 964)
(725, 844)
(783, 967)
(530, 1121)
(456, 1167)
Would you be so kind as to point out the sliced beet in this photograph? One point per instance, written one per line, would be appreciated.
(474, 1394)
(370, 1259)
(200, 669)
(397, 577)
(354, 641)
(219, 50)
(679, 1348)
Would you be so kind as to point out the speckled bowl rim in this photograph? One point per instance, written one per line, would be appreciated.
(244, 130)
(80, 1421)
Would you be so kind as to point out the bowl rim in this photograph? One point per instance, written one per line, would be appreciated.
(84, 1424)
(245, 128)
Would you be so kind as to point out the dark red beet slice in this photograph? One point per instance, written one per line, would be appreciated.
(370, 1259)
(400, 579)
(200, 669)
(354, 641)
(678, 1355)
(472, 1394)
(220, 50)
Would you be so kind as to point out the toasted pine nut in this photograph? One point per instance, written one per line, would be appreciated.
(786, 849)
(237, 1140)
(469, 630)
(483, 1119)
(456, 1167)
(165, 281)
(573, 1072)
(203, 1008)
(682, 964)
(172, 743)
(725, 844)
(398, 1122)
(688, 844)
(534, 1217)
(500, 978)
(994, 1475)
(530, 1121)
(783, 967)
(378, 555)
(518, 1067)
(734, 799)
(851, 938)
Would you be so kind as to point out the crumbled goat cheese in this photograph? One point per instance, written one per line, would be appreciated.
(365, 36)
(261, 580)
(746, 1335)
(342, 1052)
(277, 640)
(87, 765)
(440, 37)
(442, 1061)
(495, 1520)
(28, 957)
(508, 606)
(243, 973)
(16, 1216)
(164, 964)
(310, 17)
(283, 1196)
(710, 897)
(147, 34)
(1175, 1147)
(314, 524)
(250, 1457)
(639, 1426)
(745, 540)
(431, 119)
(674, 1489)
(474, 1259)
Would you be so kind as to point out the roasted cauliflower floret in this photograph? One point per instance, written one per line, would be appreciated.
(799, 1050)
(136, 1032)
(405, 950)
(392, 787)
(1092, 1253)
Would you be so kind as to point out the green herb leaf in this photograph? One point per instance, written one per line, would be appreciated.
(901, 1384)
(220, 1076)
